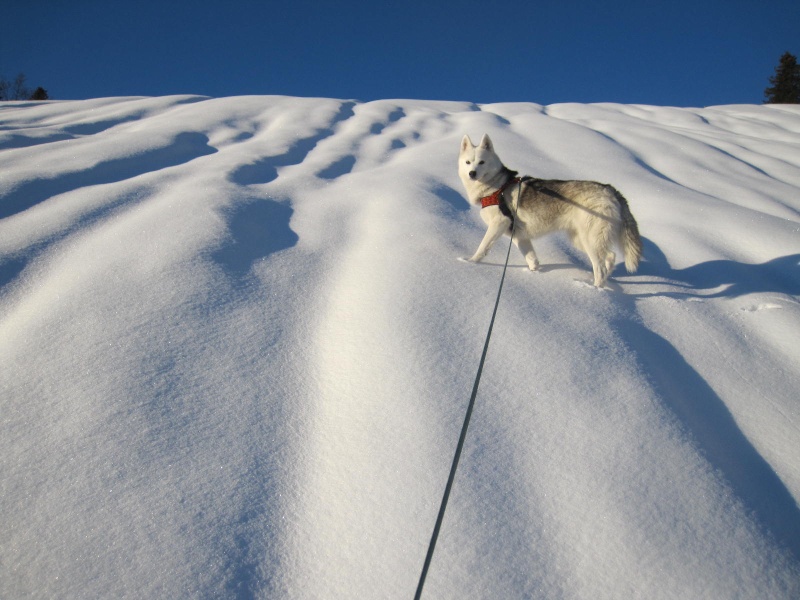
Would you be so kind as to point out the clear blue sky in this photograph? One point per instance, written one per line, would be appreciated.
(678, 52)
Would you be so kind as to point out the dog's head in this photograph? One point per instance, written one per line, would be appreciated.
(478, 163)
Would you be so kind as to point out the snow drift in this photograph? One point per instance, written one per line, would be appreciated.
(237, 347)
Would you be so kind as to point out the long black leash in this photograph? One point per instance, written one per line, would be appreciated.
(468, 416)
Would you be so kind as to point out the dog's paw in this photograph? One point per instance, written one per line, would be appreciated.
(591, 286)
(467, 259)
(534, 266)
(584, 284)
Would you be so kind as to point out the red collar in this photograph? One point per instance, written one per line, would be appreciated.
(494, 199)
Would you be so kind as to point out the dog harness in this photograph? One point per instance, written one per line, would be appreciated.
(497, 199)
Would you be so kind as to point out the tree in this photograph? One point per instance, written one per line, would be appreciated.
(14, 90)
(785, 88)
(39, 94)
(17, 89)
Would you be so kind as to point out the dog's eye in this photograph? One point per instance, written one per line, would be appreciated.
(469, 163)
(480, 163)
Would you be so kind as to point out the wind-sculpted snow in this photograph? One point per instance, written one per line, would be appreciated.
(237, 348)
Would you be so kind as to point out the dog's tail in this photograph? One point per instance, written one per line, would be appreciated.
(630, 240)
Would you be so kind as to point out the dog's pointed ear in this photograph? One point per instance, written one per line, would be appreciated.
(466, 144)
(486, 143)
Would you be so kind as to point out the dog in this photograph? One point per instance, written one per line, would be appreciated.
(595, 215)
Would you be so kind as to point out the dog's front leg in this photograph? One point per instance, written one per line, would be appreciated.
(496, 228)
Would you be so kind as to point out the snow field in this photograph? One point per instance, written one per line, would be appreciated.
(238, 347)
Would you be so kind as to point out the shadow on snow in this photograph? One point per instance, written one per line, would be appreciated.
(265, 170)
(692, 400)
(184, 148)
(779, 275)
(258, 228)
(710, 424)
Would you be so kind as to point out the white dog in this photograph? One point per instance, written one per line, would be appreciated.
(595, 215)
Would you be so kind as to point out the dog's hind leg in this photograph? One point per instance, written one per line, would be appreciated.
(598, 253)
(611, 261)
(525, 246)
(600, 270)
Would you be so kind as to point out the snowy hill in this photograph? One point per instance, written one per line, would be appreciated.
(237, 348)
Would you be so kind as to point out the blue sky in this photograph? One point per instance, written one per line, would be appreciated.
(680, 53)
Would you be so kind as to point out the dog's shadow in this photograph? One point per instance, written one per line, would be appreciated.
(703, 280)
(710, 279)
(713, 278)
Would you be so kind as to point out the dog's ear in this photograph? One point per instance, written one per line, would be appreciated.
(466, 144)
(486, 143)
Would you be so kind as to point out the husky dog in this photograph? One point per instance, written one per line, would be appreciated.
(595, 215)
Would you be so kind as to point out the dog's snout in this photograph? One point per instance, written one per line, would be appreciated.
(473, 174)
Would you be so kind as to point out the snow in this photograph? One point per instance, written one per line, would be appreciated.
(237, 347)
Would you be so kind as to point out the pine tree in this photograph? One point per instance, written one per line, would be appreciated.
(785, 88)
(39, 94)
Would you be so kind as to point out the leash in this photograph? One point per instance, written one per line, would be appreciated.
(440, 518)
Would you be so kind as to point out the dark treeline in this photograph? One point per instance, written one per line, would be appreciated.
(17, 90)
